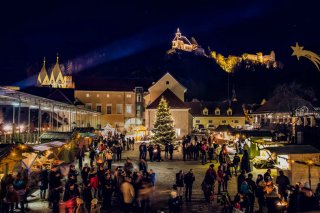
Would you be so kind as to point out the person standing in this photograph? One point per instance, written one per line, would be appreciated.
(109, 159)
(166, 151)
(251, 192)
(220, 179)
(128, 194)
(150, 150)
(208, 183)
(245, 161)
(188, 180)
(44, 183)
(267, 176)
(236, 161)
(80, 156)
(92, 156)
(241, 178)
(180, 184)
(171, 150)
(283, 182)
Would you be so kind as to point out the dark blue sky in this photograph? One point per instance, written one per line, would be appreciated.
(111, 32)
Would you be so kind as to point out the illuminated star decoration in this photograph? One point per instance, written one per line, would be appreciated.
(300, 52)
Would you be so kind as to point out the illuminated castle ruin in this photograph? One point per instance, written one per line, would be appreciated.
(228, 64)
(57, 78)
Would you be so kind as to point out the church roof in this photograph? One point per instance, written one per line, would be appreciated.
(43, 73)
(56, 70)
(173, 101)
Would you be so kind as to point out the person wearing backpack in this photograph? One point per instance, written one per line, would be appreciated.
(252, 187)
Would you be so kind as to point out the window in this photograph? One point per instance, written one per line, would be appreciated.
(109, 107)
(128, 108)
(138, 98)
(210, 121)
(229, 111)
(98, 95)
(88, 95)
(99, 108)
(88, 106)
(236, 121)
(223, 121)
(205, 111)
(197, 121)
(119, 108)
(128, 95)
(217, 111)
(108, 95)
(167, 82)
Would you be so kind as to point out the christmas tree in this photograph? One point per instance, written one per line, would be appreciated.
(163, 126)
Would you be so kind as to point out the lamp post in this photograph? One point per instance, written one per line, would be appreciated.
(310, 163)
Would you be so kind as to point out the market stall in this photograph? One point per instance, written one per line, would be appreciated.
(301, 163)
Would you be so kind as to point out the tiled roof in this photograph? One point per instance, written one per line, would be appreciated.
(197, 107)
(294, 149)
(173, 101)
(282, 103)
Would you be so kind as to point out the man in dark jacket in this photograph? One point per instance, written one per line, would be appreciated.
(170, 150)
(283, 182)
(241, 178)
(251, 192)
(180, 184)
(188, 180)
(236, 161)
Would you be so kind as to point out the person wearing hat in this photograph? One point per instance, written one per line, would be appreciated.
(95, 207)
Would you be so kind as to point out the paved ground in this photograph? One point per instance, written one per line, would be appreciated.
(166, 171)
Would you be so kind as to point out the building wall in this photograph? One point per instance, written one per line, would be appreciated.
(300, 173)
(113, 99)
(216, 121)
(181, 118)
(160, 86)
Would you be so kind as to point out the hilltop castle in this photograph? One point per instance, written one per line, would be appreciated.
(58, 78)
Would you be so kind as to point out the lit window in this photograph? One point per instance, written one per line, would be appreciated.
(98, 95)
(138, 98)
(87, 95)
(108, 95)
(109, 109)
(89, 106)
(119, 108)
(217, 111)
(229, 111)
(128, 108)
(205, 111)
(128, 95)
(99, 108)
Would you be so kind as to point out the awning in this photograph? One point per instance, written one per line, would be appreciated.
(293, 149)
(49, 145)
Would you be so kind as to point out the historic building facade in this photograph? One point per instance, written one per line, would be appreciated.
(56, 77)
(213, 114)
(171, 90)
(121, 109)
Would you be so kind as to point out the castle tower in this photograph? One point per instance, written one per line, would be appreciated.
(56, 77)
(43, 79)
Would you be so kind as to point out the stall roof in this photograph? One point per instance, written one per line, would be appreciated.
(56, 136)
(83, 129)
(294, 149)
(47, 146)
(4, 149)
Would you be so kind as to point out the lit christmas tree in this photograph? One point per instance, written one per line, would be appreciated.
(163, 126)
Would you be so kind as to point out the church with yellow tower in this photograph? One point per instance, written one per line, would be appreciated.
(57, 77)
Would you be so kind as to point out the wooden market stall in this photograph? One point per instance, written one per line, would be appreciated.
(301, 163)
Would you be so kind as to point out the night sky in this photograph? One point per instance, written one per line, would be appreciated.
(111, 34)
